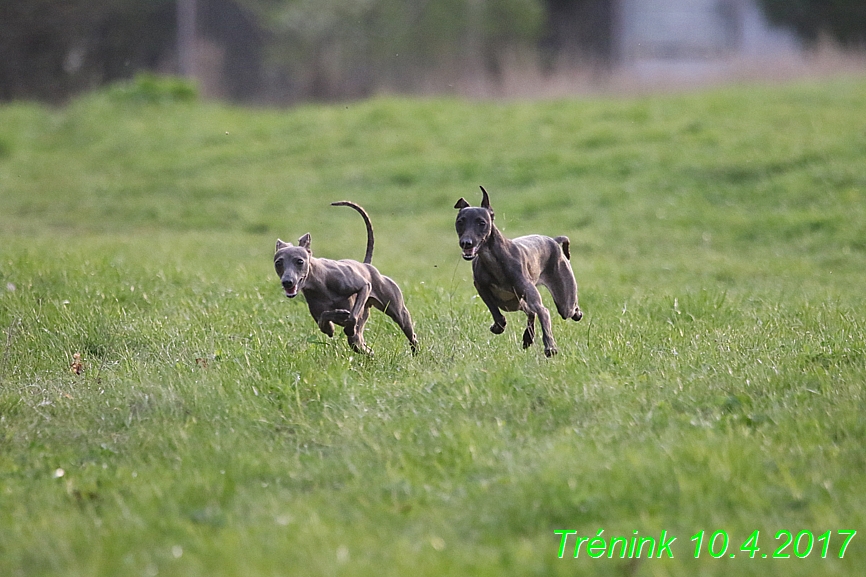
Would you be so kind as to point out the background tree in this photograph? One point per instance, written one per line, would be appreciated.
(579, 32)
(842, 20)
(50, 49)
(278, 50)
(331, 48)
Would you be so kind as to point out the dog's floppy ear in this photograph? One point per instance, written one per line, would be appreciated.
(304, 242)
(282, 245)
(461, 204)
(485, 200)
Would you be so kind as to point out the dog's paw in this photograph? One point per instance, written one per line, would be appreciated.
(360, 347)
(327, 327)
(528, 338)
(550, 351)
(341, 316)
(498, 327)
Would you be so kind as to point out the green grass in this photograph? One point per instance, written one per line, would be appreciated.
(715, 383)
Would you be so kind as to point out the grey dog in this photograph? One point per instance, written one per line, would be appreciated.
(506, 272)
(341, 292)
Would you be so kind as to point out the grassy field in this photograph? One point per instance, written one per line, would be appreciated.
(715, 384)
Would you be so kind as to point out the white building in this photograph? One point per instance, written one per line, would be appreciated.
(695, 30)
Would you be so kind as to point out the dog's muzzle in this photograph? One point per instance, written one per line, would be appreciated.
(291, 289)
(469, 250)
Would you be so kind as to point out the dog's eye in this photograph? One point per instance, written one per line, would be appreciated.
(299, 261)
(480, 222)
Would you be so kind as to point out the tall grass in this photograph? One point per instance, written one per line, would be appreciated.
(716, 382)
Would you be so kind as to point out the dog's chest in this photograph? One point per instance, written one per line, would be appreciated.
(504, 294)
(489, 273)
(321, 297)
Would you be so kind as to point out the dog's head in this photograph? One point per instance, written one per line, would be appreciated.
(474, 225)
(292, 264)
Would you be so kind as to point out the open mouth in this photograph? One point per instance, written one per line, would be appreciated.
(469, 253)
(292, 291)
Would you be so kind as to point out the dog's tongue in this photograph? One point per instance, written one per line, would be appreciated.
(469, 253)
(292, 292)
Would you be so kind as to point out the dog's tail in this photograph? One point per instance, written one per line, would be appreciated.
(564, 242)
(368, 257)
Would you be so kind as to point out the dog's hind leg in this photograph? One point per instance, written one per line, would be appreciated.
(533, 306)
(394, 307)
(401, 316)
(563, 288)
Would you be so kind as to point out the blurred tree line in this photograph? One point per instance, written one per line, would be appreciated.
(50, 49)
(325, 48)
(284, 50)
(276, 50)
(842, 20)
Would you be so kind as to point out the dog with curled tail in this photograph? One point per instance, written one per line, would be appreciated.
(341, 292)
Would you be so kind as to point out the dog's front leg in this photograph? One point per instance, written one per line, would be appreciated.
(529, 333)
(327, 319)
(499, 322)
(360, 302)
(326, 327)
(354, 326)
(356, 340)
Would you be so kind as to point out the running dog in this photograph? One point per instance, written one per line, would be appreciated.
(507, 272)
(341, 292)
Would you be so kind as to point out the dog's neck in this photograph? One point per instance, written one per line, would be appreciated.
(495, 242)
(494, 250)
(312, 278)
